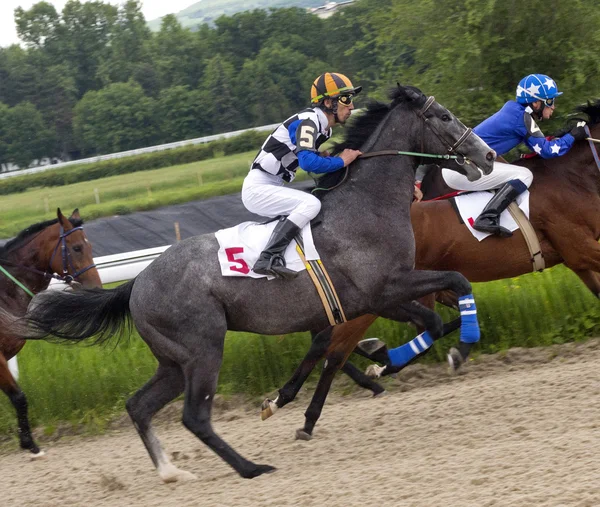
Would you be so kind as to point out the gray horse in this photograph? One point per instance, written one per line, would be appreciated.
(182, 306)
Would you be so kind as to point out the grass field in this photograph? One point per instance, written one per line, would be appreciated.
(120, 195)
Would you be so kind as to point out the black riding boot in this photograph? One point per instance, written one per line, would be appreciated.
(489, 220)
(271, 261)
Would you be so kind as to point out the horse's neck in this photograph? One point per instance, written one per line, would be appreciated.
(27, 264)
(386, 179)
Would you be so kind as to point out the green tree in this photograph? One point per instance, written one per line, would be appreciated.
(25, 137)
(117, 118)
(37, 25)
(182, 114)
(128, 45)
(471, 54)
(217, 87)
(177, 55)
(83, 40)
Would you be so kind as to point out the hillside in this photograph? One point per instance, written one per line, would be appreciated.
(205, 11)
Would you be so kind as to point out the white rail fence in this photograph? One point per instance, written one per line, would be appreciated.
(111, 268)
(139, 151)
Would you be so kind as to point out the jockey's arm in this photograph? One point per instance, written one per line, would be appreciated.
(304, 134)
(545, 148)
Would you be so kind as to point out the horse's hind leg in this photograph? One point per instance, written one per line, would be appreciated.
(201, 374)
(19, 401)
(166, 384)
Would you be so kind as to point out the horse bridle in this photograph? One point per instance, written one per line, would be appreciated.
(67, 261)
(451, 148)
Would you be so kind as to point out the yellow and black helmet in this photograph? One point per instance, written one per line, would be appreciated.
(331, 84)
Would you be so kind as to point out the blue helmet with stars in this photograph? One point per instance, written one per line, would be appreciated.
(536, 87)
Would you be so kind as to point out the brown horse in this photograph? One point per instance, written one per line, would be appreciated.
(565, 213)
(53, 249)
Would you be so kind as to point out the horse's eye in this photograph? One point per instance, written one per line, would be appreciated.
(445, 117)
(77, 249)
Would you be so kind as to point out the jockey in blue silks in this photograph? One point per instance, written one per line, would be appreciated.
(514, 124)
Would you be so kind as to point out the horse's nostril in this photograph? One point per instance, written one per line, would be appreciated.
(491, 156)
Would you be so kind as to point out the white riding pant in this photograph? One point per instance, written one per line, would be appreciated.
(265, 194)
(501, 174)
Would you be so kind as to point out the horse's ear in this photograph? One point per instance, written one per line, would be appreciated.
(412, 94)
(61, 217)
(75, 215)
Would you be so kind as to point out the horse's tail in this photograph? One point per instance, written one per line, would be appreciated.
(76, 315)
(12, 323)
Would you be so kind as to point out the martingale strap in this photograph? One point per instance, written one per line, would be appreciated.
(533, 244)
(320, 278)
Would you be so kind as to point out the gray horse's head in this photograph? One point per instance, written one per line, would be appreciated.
(450, 134)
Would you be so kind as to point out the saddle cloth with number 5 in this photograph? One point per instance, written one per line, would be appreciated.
(240, 246)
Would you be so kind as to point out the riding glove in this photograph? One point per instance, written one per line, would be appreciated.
(579, 132)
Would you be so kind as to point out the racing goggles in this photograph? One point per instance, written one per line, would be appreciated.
(548, 102)
(345, 100)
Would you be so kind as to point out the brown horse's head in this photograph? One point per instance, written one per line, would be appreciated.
(69, 250)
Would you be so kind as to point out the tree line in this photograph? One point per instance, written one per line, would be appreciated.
(94, 79)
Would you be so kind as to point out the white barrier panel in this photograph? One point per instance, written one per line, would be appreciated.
(111, 268)
(121, 267)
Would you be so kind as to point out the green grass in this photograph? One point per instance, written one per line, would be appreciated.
(86, 386)
(127, 193)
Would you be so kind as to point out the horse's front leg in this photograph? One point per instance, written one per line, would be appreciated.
(19, 401)
(319, 345)
(417, 284)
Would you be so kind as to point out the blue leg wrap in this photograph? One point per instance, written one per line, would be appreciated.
(469, 326)
(407, 352)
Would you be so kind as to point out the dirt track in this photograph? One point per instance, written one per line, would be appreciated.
(520, 429)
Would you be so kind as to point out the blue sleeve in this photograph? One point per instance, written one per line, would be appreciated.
(552, 148)
(314, 163)
(308, 157)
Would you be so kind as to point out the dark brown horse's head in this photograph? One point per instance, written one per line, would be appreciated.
(69, 250)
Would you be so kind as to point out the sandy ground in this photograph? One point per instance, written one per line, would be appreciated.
(515, 429)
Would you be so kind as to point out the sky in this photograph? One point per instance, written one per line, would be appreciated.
(152, 9)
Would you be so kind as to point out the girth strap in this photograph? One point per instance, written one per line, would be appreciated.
(320, 278)
(537, 258)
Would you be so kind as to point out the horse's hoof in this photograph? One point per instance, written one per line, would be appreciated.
(303, 435)
(258, 470)
(36, 456)
(268, 408)
(381, 394)
(455, 360)
(171, 473)
(374, 370)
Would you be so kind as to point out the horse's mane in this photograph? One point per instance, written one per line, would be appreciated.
(30, 231)
(363, 126)
(591, 112)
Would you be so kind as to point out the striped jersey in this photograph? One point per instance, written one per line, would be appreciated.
(303, 132)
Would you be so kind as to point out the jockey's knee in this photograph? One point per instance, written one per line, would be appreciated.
(526, 177)
(306, 211)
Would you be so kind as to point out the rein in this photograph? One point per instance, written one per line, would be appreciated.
(67, 263)
(460, 159)
(591, 140)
